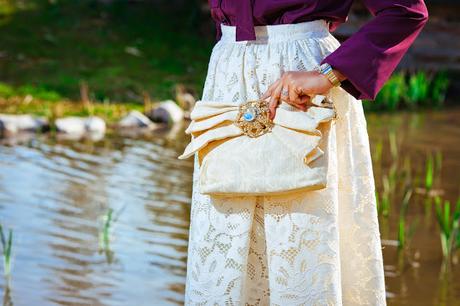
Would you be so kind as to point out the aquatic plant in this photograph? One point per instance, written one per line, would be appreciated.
(411, 90)
(417, 89)
(393, 145)
(405, 233)
(7, 244)
(104, 236)
(432, 173)
(383, 207)
(108, 221)
(449, 223)
(429, 173)
(7, 296)
(439, 87)
(391, 93)
(377, 156)
(438, 161)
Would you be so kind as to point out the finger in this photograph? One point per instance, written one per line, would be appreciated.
(285, 89)
(284, 96)
(269, 91)
(305, 99)
(299, 105)
(274, 100)
(299, 91)
(302, 102)
(293, 95)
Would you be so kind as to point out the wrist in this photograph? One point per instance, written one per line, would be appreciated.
(326, 83)
(333, 76)
(339, 75)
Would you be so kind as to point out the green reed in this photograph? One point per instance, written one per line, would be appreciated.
(104, 237)
(7, 245)
(449, 223)
(432, 174)
(378, 150)
(109, 219)
(439, 87)
(389, 180)
(390, 96)
(407, 89)
(383, 202)
(393, 145)
(417, 89)
(405, 231)
(7, 296)
(429, 173)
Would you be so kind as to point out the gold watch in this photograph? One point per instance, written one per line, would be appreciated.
(326, 69)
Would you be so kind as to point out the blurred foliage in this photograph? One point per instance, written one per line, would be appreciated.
(439, 87)
(119, 48)
(110, 112)
(122, 49)
(417, 89)
(391, 93)
(411, 90)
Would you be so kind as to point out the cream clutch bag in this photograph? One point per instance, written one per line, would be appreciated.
(242, 152)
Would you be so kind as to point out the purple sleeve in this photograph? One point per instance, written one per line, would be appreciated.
(369, 56)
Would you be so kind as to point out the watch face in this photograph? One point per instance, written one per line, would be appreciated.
(326, 68)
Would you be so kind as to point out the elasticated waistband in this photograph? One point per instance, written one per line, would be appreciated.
(280, 32)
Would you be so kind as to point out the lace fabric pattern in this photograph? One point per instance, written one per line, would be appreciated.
(308, 248)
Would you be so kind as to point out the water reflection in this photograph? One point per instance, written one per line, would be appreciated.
(54, 193)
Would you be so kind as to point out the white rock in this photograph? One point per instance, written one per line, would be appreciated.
(79, 126)
(16, 123)
(95, 125)
(135, 119)
(166, 112)
(70, 125)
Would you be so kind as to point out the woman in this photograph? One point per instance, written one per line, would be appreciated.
(318, 247)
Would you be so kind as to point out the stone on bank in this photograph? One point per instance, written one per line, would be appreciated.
(166, 112)
(13, 124)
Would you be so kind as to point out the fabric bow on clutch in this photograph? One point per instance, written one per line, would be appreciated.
(242, 152)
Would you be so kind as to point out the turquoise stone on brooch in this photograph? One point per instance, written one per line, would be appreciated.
(253, 118)
(250, 114)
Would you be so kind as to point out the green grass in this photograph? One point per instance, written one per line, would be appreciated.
(110, 112)
(429, 173)
(414, 90)
(120, 50)
(104, 237)
(405, 231)
(449, 224)
(7, 245)
(50, 47)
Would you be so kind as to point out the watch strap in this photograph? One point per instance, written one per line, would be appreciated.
(326, 69)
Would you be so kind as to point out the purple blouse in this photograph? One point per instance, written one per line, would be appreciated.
(367, 58)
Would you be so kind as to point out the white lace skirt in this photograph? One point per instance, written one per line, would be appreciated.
(309, 248)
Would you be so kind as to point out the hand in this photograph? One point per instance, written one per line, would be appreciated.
(295, 88)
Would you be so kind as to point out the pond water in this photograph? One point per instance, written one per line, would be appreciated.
(53, 194)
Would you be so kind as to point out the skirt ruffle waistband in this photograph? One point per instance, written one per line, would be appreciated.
(280, 32)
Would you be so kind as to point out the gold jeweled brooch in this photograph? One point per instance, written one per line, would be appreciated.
(253, 118)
